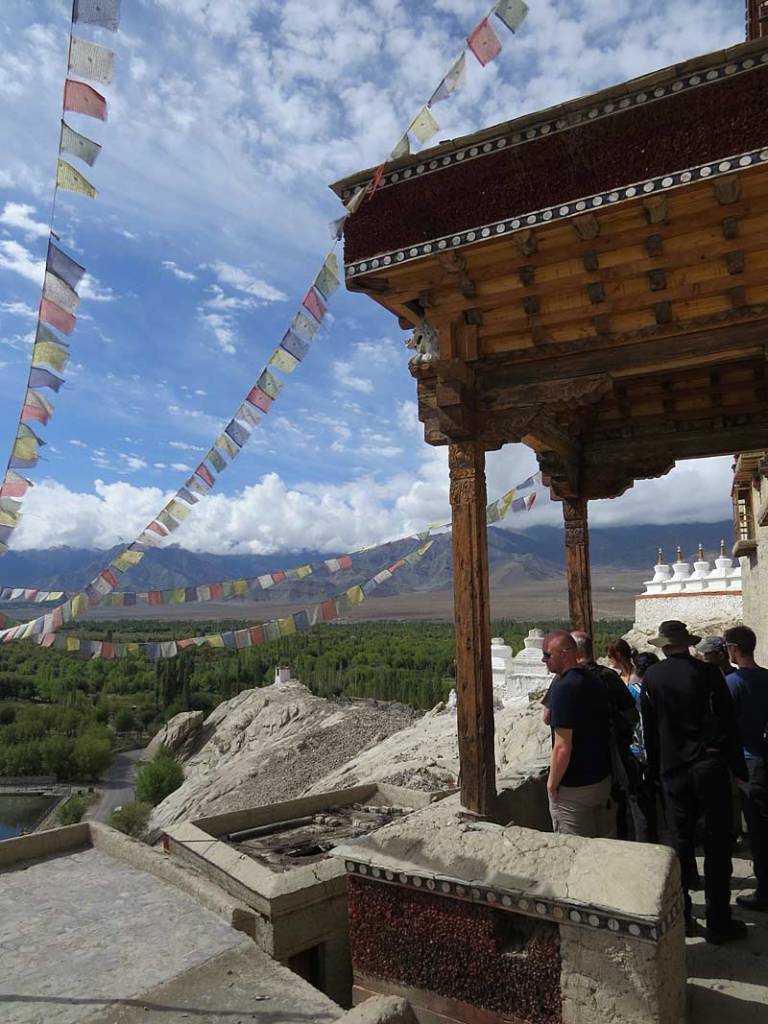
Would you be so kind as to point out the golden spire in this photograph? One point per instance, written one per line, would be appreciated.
(679, 553)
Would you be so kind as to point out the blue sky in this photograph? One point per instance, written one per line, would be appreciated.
(227, 121)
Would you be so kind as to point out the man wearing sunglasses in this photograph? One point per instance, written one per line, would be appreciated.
(579, 783)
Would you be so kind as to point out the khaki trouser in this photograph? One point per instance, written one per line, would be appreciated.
(585, 811)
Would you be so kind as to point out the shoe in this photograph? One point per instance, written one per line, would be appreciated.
(753, 902)
(730, 932)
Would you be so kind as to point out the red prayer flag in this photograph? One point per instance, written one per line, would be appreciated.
(205, 474)
(278, 577)
(328, 609)
(13, 488)
(217, 591)
(257, 634)
(484, 42)
(185, 643)
(396, 565)
(259, 398)
(57, 317)
(84, 100)
(48, 640)
(155, 527)
(154, 597)
(107, 649)
(314, 304)
(32, 412)
(376, 180)
(345, 562)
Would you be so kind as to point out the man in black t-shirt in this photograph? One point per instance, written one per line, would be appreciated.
(579, 783)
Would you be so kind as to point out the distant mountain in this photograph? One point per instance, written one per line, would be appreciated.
(514, 556)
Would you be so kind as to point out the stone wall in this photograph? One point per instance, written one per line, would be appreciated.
(698, 611)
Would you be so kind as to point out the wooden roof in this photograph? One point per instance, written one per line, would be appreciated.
(597, 274)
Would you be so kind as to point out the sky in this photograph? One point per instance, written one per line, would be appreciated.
(227, 121)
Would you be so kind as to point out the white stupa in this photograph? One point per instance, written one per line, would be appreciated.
(515, 676)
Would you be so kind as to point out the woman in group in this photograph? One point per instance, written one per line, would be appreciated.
(643, 802)
(620, 656)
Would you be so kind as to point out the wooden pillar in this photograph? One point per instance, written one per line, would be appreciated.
(577, 563)
(474, 679)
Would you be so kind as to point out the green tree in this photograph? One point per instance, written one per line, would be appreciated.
(58, 753)
(93, 753)
(158, 779)
(72, 810)
(125, 721)
(131, 818)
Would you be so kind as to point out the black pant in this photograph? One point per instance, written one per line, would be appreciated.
(755, 802)
(703, 788)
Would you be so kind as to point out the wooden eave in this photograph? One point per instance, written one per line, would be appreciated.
(617, 332)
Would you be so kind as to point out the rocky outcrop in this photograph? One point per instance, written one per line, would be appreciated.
(178, 734)
(271, 744)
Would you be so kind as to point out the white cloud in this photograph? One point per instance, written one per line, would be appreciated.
(176, 270)
(19, 215)
(244, 281)
(221, 301)
(16, 258)
(19, 309)
(222, 328)
(185, 446)
(345, 377)
(77, 443)
(180, 467)
(133, 462)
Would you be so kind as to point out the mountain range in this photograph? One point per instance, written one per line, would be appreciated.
(514, 556)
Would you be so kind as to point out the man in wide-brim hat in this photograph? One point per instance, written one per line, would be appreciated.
(692, 747)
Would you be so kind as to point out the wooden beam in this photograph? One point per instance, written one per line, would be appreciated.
(577, 563)
(474, 679)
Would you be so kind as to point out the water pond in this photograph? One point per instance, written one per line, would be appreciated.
(22, 812)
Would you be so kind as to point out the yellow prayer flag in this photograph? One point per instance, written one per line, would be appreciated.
(287, 626)
(304, 570)
(227, 445)
(127, 559)
(240, 587)
(214, 640)
(25, 448)
(79, 604)
(177, 596)
(50, 355)
(424, 125)
(133, 648)
(283, 360)
(9, 518)
(505, 502)
(355, 595)
(178, 509)
(73, 643)
(70, 180)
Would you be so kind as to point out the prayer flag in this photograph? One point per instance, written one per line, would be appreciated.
(89, 60)
(56, 316)
(327, 280)
(105, 13)
(265, 581)
(269, 384)
(197, 485)
(215, 459)
(9, 518)
(455, 79)
(423, 125)
(271, 630)
(40, 404)
(297, 347)
(157, 528)
(530, 482)
(314, 304)
(345, 562)
(58, 291)
(402, 148)
(530, 501)
(512, 12)
(240, 587)
(50, 354)
(304, 326)
(178, 509)
(238, 433)
(257, 397)
(492, 514)
(33, 414)
(64, 266)
(216, 591)
(242, 638)
(39, 378)
(484, 42)
(225, 442)
(70, 180)
(353, 205)
(354, 595)
(205, 474)
(168, 521)
(505, 501)
(301, 619)
(14, 485)
(83, 99)
(378, 174)
(283, 360)
(328, 610)
(287, 626)
(257, 634)
(75, 144)
(189, 498)
(247, 414)
(126, 559)
(336, 228)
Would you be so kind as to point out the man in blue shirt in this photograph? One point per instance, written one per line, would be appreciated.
(579, 783)
(749, 689)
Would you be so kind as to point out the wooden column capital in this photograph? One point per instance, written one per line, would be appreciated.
(474, 680)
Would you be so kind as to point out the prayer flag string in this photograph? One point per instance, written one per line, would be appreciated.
(59, 298)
